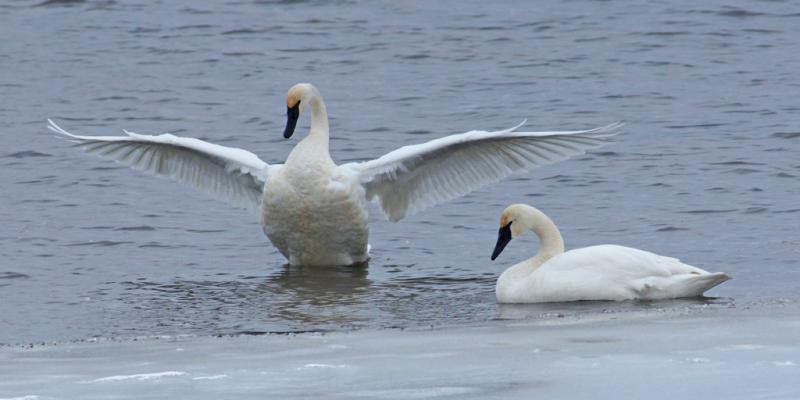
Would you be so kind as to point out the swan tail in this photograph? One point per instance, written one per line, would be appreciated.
(678, 286)
(695, 285)
(706, 282)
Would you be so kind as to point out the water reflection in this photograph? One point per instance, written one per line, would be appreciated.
(292, 299)
(572, 308)
(320, 285)
(301, 299)
(318, 295)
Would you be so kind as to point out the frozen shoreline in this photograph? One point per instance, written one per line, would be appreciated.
(748, 352)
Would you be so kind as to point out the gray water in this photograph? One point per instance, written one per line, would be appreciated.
(707, 169)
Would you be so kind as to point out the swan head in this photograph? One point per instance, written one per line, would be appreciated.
(298, 97)
(513, 222)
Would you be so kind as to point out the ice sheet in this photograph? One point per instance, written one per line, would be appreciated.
(748, 352)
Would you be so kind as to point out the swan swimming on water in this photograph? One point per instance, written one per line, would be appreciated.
(313, 210)
(605, 272)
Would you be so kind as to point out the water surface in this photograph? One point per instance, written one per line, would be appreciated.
(707, 169)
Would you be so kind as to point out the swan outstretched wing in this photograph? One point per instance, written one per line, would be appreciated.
(415, 177)
(234, 175)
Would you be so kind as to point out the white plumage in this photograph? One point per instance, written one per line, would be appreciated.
(605, 272)
(227, 173)
(419, 176)
(314, 211)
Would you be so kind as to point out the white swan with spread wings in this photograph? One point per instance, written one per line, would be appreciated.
(313, 210)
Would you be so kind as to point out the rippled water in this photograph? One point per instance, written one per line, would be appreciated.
(707, 169)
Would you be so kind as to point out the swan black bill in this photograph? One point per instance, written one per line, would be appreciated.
(503, 237)
(292, 113)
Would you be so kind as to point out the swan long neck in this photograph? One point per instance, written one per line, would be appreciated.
(319, 117)
(551, 243)
(312, 153)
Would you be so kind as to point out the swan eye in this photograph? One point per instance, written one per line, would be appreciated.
(506, 230)
(293, 111)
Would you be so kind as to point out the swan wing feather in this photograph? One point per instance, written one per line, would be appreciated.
(230, 174)
(419, 176)
(618, 263)
(639, 273)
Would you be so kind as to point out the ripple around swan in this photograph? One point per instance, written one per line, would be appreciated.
(135, 228)
(710, 211)
(26, 154)
(13, 275)
(786, 135)
(57, 3)
(100, 243)
(671, 229)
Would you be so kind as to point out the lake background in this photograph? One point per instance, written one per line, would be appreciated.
(707, 169)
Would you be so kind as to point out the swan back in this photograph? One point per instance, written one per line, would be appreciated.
(608, 272)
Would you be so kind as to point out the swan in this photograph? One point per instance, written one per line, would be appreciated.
(605, 272)
(314, 211)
